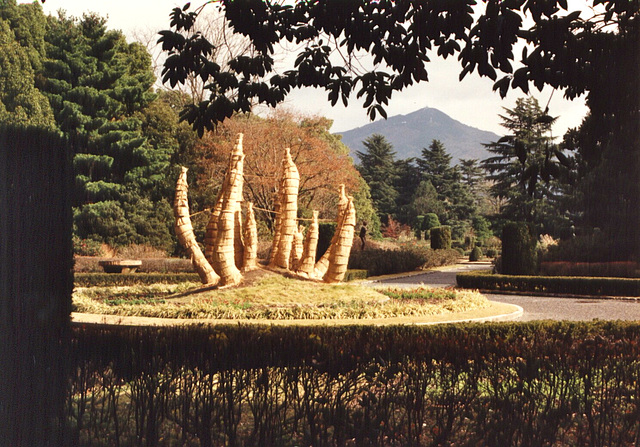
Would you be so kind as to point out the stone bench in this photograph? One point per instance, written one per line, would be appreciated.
(120, 266)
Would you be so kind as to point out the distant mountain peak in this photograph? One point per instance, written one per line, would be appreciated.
(412, 132)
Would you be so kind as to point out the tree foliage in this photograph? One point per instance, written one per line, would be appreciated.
(99, 88)
(525, 162)
(21, 54)
(453, 194)
(379, 169)
(321, 159)
(401, 36)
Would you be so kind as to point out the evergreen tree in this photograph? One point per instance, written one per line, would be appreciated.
(524, 162)
(425, 200)
(471, 174)
(100, 89)
(435, 167)
(407, 182)
(21, 42)
(378, 168)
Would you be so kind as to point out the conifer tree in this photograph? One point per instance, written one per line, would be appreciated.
(458, 204)
(100, 89)
(524, 161)
(378, 168)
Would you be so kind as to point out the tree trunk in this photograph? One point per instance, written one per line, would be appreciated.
(184, 232)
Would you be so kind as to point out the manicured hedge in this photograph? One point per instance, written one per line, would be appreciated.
(440, 237)
(131, 279)
(485, 280)
(500, 384)
(518, 249)
(380, 261)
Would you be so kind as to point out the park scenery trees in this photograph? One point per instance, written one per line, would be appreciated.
(563, 49)
(79, 99)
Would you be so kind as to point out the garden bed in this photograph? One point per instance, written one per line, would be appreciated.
(272, 297)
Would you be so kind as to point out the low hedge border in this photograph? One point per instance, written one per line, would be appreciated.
(133, 279)
(591, 286)
(536, 383)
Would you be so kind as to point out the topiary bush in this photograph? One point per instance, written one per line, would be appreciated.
(441, 238)
(518, 249)
(429, 221)
(475, 254)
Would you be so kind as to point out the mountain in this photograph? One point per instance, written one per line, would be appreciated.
(410, 133)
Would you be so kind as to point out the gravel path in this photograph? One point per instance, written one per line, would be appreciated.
(535, 307)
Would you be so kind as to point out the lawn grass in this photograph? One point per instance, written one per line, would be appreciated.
(273, 298)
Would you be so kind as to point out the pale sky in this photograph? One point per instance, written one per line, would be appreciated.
(471, 101)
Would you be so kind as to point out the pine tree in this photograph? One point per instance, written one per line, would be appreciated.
(100, 89)
(378, 168)
(435, 166)
(407, 183)
(524, 162)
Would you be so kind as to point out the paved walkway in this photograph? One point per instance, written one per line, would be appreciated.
(534, 307)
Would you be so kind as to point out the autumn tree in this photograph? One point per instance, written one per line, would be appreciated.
(322, 161)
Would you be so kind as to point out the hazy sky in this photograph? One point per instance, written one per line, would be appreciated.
(471, 101)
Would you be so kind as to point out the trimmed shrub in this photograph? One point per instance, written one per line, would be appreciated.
(536, 383)
(86, 247)
(131, 279)
(84, 264)
(429, 221)
(409, 258)
(441, 238)
(563, 285)
(620, 269)
(518, 249)
(475, 254)
(593, 247)
(353, 275)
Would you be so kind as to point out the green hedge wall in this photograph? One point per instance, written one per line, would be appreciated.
(499, 384)
(550, 284)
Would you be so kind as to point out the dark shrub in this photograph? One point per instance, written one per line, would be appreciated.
(534, 383)
(429, 221)
(409, 258)
(593, 247)
(441, 238)
(475, 254)
(518, 249)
